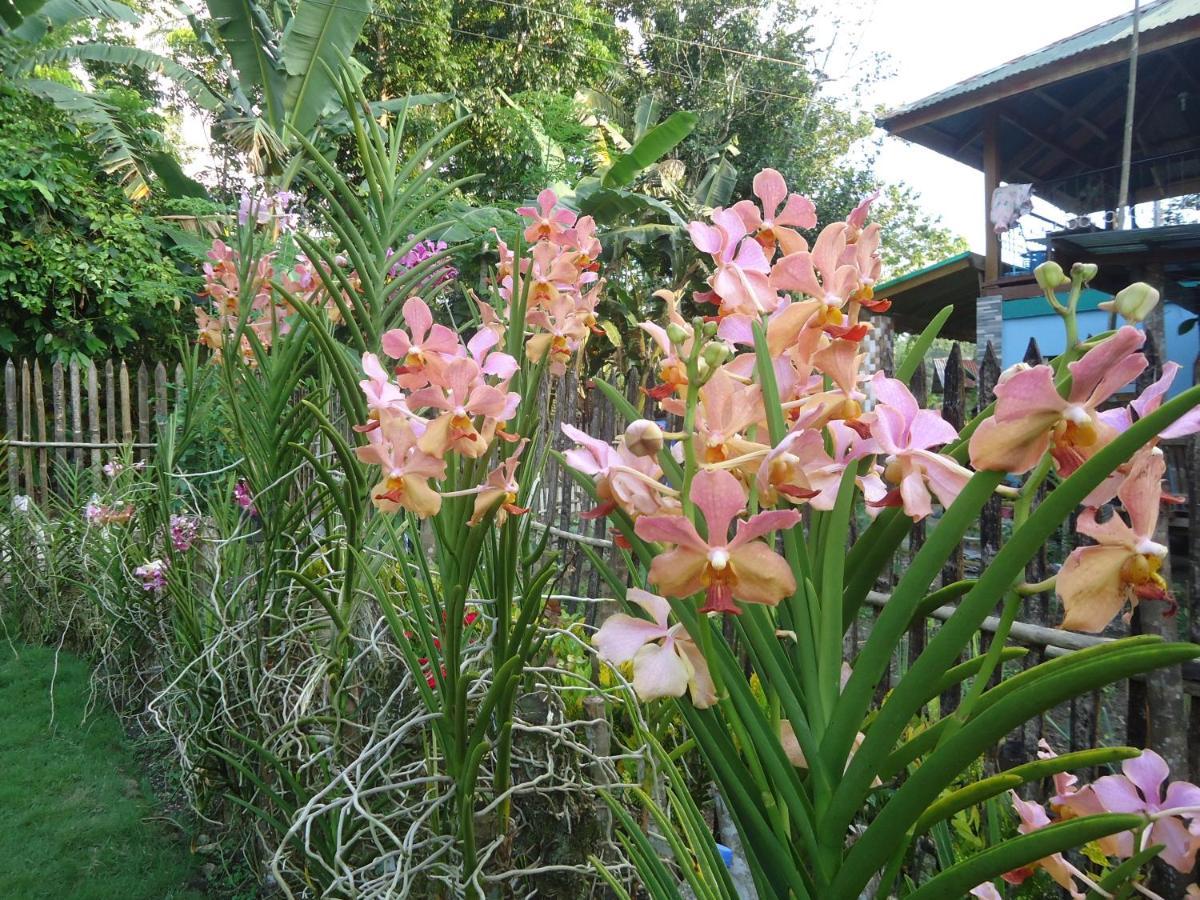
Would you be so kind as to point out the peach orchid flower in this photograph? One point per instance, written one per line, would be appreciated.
(742, 568)
(741, 279)
(406, 468)
(821, 274)
(547, 221)
(500, 482)
(769, 226)
(462, 396)
(666, 662)
(1097, 581)
(621, 478)
(1032, 417)
(1033, 816)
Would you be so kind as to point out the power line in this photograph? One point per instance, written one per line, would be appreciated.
(555, 50)
(658, 37)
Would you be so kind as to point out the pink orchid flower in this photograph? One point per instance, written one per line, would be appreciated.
(770, 226)
(620, 476)
(563, 333)
(462, 396)
(548, 222)
(491, 362)
(1122, 417)
(551, 273)
(382, 396)
(672, 370)
(857, 219)
(801, 469)
(741, 568)
(741, 279)
(1140, 790)
(822, 275)
(1097, 581)
(1033, 817)
(666, 662)
(905, 432)
(406, 468)
(424, 349)
(1032, 417)
(726, 409)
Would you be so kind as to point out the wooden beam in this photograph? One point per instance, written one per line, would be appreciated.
(1175, 34)
(1051, 142)
(991, 180)
(1075, 114)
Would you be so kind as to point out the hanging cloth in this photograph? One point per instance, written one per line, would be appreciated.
(1009, 203)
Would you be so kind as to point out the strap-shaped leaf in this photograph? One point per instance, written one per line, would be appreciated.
(958, 880)
(248, 35)
(315, 45)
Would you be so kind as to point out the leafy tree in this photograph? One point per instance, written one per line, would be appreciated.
(82, 271)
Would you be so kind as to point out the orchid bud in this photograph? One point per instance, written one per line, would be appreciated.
(1050, 276)
(703, 369)
(715, 353)
(643, 438)
(1085, 272)
(676, 333)
(1011, 371)
(1134, 303)
(710, 329)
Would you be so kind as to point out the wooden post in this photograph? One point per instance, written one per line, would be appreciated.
(1193, 581)
(76, 413)
(160, 396)
(954, 399)
(991, 180)
(143, 410)
(126, 405)
(93, 393)
(39, 411)
(916, 538)
(110, 403)
(990, 516)
(27, 429)
(59, 411)
(10, 425)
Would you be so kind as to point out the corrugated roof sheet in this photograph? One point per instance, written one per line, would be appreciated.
(1157, 15)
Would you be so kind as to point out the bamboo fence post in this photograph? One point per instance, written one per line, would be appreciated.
(1192, 484)
(110, 404)
(93, 403)
(59, 404)
(39, 411)
(916, 537)
(76, 413)
(143, 410)
(10, 425)
(126, 405)
(954, 400)
(27, 430)
(160, 396)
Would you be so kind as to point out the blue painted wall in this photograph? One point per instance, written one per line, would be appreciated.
(1048, 331)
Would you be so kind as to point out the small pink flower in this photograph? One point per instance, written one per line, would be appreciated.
(616, 472)
(1096, 582)
(822, 274)
(741, 568)
(153, 575)
(740, 280)
(1032, 417)
(243, 498)
(500, 482)
(184, 530)
(1033, 817)
(666, 662)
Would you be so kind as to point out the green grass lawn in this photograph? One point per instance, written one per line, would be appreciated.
(76, 817)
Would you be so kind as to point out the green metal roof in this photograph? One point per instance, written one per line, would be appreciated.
(881, 290)
(1153, 16)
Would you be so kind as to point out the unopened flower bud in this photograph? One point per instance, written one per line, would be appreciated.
(1085, 272)
(676, 333)
(643, 438)
(1050, 276)
(1011, 371)
(715, 353)
(1133, 303)
(703, 368)
(710, 329)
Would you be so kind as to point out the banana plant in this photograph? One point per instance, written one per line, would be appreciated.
(828, 793)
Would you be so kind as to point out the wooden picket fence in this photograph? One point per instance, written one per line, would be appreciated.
(81, 414)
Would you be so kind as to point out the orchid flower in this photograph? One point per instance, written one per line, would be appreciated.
(822, 275)
(1097, 581)
(857, 219)
(382, 396)
(672, 369)
(905, 432)
(462, 396)
(406, 468)
(424, 349)
(551, 273)
(741, 568)
(727, 409)
(500, 482)
(801, 469)
(621, 478)
(563, 334)
(666, 662)
(547, 221)
(770, 226)
(741, 279)
(1032, 417)
(1033, 817)
(492, 362)
(1139, 789)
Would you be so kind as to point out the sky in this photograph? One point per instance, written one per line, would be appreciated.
(929, 45)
